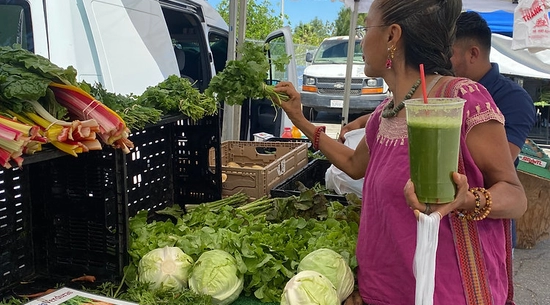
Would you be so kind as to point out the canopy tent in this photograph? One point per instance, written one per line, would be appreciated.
(500, 22)
(519, 62)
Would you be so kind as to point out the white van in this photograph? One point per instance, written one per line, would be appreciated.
(324, 80)
(128, 45)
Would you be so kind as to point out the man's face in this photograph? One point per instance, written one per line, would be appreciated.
(460, 59)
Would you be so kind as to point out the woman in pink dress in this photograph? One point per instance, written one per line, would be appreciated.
(473, 259)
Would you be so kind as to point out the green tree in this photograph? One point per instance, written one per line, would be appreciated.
(313, 32)
(261, 18)
(341, 27)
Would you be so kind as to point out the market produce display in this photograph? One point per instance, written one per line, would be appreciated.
(267, 245)
(43, 103)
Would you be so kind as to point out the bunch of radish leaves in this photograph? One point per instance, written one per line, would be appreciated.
(246, 77)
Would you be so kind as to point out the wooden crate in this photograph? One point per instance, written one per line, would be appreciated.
(534, 225)
(278, 161)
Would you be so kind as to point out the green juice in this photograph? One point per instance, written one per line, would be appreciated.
(433, 153)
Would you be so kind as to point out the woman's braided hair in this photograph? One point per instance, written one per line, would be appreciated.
(428, 28)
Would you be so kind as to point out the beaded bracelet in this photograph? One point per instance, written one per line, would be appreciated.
(478, 213)
(317, 135)
(478, 200)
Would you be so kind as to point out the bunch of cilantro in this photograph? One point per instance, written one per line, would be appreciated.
(246, 77)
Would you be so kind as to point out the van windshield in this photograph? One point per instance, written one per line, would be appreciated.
(335, 51)
(16, 28)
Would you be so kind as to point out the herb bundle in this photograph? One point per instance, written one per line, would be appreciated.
(245, 78)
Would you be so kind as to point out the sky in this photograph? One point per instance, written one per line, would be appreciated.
(303, 10)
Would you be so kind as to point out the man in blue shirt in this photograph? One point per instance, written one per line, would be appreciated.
(471, 52)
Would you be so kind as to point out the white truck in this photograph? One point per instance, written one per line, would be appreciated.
(324, 80)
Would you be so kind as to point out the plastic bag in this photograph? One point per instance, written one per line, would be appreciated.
(337, 180)
(531, 25)
(427, 238)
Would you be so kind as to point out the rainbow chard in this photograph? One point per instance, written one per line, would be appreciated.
(82, 106)
(17, 138)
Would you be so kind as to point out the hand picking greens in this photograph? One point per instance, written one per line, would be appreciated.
(245, 78)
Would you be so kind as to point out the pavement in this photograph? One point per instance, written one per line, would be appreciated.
(531, 266)
(532, 274)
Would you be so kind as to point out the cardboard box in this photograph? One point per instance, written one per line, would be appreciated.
(273, 163)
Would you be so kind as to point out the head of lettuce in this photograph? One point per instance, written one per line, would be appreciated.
(215, 273)
(165, 268)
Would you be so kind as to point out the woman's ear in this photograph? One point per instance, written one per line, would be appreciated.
(394, 34)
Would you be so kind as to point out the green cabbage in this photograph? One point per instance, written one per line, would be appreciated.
(333, 266)
(215, 273)
(165, 268)
(309, 288)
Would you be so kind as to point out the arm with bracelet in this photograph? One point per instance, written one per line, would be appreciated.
(352, 162)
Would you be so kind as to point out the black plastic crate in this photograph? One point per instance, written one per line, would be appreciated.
(312, 173)
(62, 217)
(16, 259)
(170, 164)
(78, 215)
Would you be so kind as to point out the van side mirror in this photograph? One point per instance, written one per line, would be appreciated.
(309, 57)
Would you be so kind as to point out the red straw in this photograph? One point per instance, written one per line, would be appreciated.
(423, 82)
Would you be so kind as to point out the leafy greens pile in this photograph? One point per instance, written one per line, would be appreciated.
(171, 96)
(176, 94)
(25, 76)
(267, 252)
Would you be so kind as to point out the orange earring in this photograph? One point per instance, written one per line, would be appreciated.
(391, 53)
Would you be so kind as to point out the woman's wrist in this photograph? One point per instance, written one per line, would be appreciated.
(480, 206)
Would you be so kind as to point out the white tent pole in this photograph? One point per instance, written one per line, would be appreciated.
(228, 126)
(349, 63)
(236, 128)
(243, 5)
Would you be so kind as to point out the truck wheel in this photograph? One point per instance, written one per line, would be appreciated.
(309, 113)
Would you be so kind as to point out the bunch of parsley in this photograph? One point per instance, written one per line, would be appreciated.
(246, 77)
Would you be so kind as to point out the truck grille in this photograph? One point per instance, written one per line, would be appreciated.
(339, 80)
(339, 92)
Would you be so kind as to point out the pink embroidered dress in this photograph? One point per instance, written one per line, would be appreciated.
(387, 234)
